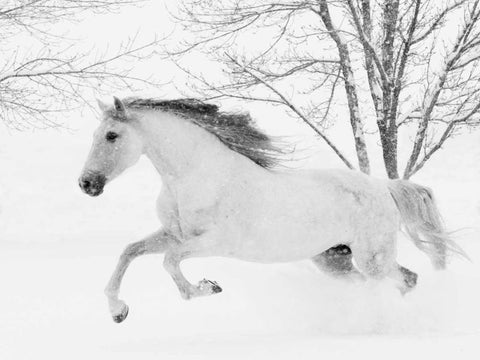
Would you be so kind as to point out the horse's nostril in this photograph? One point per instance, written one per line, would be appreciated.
(85, 184)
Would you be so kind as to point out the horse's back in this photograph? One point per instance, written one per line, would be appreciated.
(340, 186)
(368, 198)
(347, 185)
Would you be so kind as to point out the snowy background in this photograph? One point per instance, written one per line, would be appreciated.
(58, 248)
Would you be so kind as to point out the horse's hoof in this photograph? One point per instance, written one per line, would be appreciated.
(212, 286)
(122, 316)
(409, 277)
(216, 288)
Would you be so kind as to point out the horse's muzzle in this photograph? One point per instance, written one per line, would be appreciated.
(92, 183)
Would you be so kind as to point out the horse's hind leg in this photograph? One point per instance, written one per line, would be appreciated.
(154, 244)
(336, 261)
(376, 258)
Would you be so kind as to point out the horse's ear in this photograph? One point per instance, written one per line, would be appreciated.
(102, 106)
(118, 104)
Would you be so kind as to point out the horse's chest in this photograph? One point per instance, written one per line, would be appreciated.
(188, 214)
(195, 220)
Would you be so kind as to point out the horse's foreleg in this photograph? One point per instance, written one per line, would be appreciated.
(172, 261)
(155, 243)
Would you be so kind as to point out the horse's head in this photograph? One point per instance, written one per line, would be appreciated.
(116, 146)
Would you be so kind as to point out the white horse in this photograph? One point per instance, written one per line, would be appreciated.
(221, 197)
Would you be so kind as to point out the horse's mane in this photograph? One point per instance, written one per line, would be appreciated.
(236, 130)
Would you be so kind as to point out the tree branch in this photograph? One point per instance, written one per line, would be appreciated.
(432, 97)
(349, 81)
(292, 107)
(368, 47)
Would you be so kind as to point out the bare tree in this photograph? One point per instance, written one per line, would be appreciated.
(397, 61)
(44, 72)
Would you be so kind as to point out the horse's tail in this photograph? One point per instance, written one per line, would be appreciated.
(422, 221)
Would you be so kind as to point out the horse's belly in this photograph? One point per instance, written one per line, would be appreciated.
(283, 235)
(276, 243)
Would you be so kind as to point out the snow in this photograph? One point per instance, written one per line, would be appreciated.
(58, 248)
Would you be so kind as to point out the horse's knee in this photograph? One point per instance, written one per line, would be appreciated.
(171, 263)
(376, 257)
(168, 264)
(147, 246)
(374, 265)
(133, 250)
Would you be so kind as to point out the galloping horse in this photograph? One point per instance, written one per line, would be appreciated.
(221, 196)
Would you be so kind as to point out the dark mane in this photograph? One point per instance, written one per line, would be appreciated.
(235, 130)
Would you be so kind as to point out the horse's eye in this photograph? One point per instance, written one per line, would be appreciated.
(111, 136)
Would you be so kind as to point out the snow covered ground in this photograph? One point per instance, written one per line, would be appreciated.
(58, 248)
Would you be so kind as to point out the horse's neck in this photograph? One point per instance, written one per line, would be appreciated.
(181, 150)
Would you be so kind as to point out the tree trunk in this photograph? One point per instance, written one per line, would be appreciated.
(350, 88)
(389, 150)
